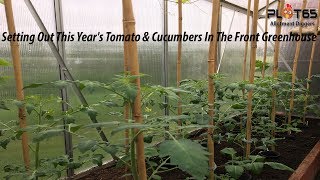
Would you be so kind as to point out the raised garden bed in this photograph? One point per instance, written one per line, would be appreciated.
(292, 150)
(310, 166)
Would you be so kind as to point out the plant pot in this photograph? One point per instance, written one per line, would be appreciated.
(269, 154)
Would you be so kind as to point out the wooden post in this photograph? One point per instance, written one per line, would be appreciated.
(244, 68)
(295, 66)
(179, 57)
(126, 111)
(275, 66)
(132, 52)
(265, 43)
(211, 71)
(15, 52)
(313, 50)
(253, 55)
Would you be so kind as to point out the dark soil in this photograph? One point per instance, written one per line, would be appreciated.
(292, 150)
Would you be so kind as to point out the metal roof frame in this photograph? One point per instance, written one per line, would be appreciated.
(232, 6)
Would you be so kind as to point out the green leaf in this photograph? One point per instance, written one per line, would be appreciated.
(69, 119)
(249, 87)
(4, 143)
(151, 152)
(111, 149)
(61, 84)
(35, 85)
(11, 168)
(129, 126)
(103, 124)
(238, 106)
(61, 161)
(189, 156)
(3, 106)
(232, 86)
(86, 146)
(2, 61)
(234, 171)
(97, 159)
(47, 134)
(74, 165)
(30, 108)
(255, 167)
(92, 113)
(148, 139)
(279, 166)
(257, 158)
(156, 177)
(229, 151)
(19, 104)
(74, 127)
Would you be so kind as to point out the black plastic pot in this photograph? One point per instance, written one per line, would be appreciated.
(269, 154)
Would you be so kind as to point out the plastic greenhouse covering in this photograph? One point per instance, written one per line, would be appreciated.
(100, 61)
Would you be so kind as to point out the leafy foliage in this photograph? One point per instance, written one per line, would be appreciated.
(187, 155)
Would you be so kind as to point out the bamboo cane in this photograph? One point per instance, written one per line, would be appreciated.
(265, 44)
(211, 71)
(15, 52)
(295, 66)
(253, 55)
(275, 67)
(129, 26)
(127, 105)
(313, 50)
(179, 57)
(244, 68)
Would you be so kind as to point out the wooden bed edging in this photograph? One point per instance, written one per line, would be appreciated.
(309, 167)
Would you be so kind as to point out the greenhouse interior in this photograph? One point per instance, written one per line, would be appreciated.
(160, 89)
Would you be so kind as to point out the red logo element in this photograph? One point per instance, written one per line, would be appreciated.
(287, 11)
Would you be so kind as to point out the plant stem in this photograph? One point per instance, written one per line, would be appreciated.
(157, 170)
(133, 156)
(37, 162)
